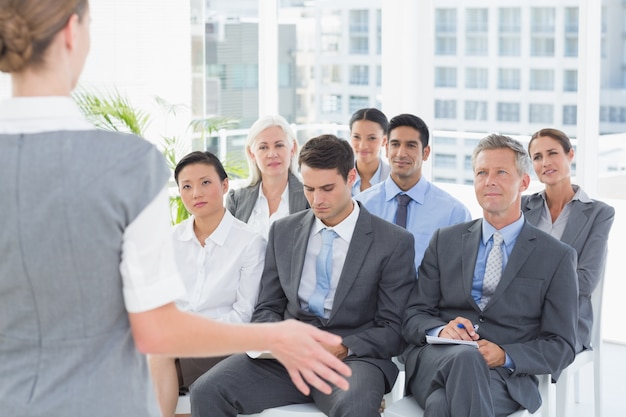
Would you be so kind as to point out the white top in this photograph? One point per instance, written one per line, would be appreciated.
(344, 230)
(260, 219)
(222, 278)
(149, 274)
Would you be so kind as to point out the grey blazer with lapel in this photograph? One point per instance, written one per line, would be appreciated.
(587, 231)
(532, 315)
(371, 295)
(241, 201)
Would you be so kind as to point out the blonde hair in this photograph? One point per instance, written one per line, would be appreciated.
(27, 27)
(254, 176)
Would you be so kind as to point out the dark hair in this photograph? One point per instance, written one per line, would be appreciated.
(497, 141)
(199, 157)
(328, 152)
(413, 121)
(371, 114)
(27, 28)
(555, 134)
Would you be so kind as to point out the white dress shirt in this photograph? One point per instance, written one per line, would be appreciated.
(344, 230)
(222, 278)
(260, 219)
(149, 274)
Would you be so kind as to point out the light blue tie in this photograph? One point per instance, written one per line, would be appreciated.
(323, 273)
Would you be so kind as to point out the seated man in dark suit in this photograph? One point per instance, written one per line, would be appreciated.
(501, 273)
(355, 283)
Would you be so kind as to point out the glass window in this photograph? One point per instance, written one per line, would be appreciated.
(445, 77)
(359, 45)
(359, 74)
(443, 160)
(331, 74)
(445, 20)
(331, 103)
(359, 21)
(444, 140)
(508, 112)
(542, 79)
(476, 20)
(358, 102)
(476, 45)
(467, 162)
(475, 110)
(570, 80)
(569, 114)
(571, 46)
(542, 46)
(509, 45)
(509, 79)
(571, 20)
(510, 20)
(541, 113)
(476, 78)
(445, 109)
(542, 19)
(445, 45)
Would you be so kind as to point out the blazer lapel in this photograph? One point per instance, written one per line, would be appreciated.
(359, 247)
(577, 218)
(300, 243)
(534, 207)
(470, 242)
(524, 246)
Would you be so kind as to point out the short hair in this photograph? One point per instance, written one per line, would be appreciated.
(27, 28)
(371, 114)
(328, 152)
(199, 157)
(412, 121)
(555, 134)
(497, 141)
(254, 173)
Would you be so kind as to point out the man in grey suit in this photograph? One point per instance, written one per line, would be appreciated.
(359, 292)
(523, 297)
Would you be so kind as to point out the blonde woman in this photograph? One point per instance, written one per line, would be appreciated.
(274, 190)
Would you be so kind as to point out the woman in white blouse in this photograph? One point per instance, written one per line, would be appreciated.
(220, 259)
(274, 190)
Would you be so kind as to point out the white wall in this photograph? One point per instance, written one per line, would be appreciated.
(142, 49)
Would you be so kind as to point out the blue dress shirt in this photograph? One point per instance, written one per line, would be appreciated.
(430, 209)
(376, 178)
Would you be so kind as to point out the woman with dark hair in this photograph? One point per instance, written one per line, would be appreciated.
(566, 212)
(368, 134)
(87, 276)
(220, 259)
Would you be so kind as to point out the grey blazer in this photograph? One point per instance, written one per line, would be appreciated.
(587, 231)
(532, 315)
(375, 282)
(241, 201)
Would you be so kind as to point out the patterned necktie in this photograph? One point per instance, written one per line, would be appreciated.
(493, 270)
(323, 273)
(403, 202)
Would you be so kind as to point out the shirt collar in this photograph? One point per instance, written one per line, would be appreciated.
(218, 236)
(284, 197)
(345, 229)
(41, 114)
(509, 232)
(417, 192)
(579, 195)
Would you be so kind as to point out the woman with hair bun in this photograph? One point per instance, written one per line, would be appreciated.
(87, 276)
(566, 212)
(368, 134)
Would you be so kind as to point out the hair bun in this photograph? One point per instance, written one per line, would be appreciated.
(15, 42)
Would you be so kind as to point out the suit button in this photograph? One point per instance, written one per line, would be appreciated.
(481, 319)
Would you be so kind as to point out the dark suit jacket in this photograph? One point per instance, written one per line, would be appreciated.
(532, 315)
(371, 295)
(587, 231)
(241, 201)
